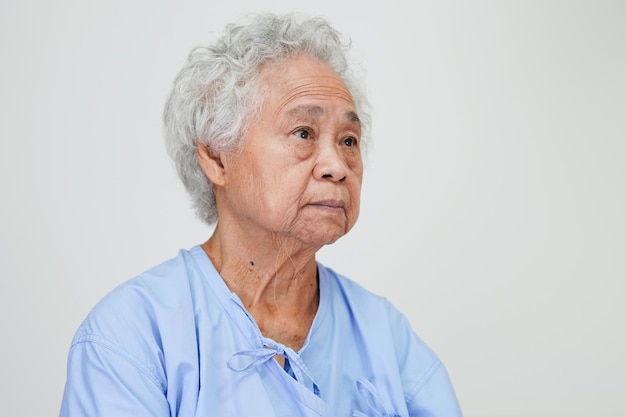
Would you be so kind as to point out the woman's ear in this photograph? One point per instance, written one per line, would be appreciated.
(211, 164)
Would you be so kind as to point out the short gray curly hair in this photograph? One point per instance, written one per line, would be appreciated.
(218, 90)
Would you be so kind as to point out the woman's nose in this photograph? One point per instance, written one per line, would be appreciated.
(330, 164)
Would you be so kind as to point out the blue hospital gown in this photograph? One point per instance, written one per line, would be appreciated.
(175, 341)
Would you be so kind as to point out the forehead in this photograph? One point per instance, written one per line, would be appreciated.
(304, 79)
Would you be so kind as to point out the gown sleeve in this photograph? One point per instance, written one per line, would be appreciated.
(435, 398)
(103, 381)
(429, 391)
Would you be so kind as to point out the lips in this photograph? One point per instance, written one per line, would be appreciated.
(333, 205)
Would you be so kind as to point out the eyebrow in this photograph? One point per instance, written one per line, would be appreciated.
(317, 111)
(352, 117)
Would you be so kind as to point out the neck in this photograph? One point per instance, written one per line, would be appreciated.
(275, 278)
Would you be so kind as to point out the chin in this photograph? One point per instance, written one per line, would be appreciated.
(320, 232)
(325, 237)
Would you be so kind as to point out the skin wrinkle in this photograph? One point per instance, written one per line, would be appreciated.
(300, 111)
(317, 111)
(311, 90)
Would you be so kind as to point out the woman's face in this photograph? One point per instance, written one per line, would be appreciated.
(299, 170)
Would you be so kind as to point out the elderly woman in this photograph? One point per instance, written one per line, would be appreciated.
(266, 129)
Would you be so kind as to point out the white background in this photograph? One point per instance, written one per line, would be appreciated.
(493, 208)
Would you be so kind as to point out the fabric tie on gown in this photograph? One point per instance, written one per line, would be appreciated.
(255, 357)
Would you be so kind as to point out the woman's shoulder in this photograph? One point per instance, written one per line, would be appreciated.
(353, 294)
(378, 317)
(140, 306)
(384, 332)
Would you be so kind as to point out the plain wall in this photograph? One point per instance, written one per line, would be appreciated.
(494, 201)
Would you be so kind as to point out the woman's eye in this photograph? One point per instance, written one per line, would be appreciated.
(349, 142)
(302, 133)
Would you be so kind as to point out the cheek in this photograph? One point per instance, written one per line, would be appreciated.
(281, 190)
(355, 164)
(355, 200)
(356, 193)
(302, 150)
(357, 171)
(356, 205)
